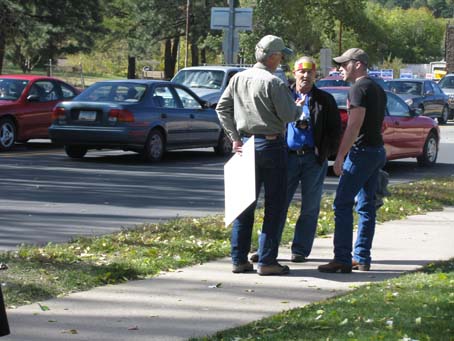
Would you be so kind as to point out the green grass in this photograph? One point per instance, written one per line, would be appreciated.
(416, 306)
(37, 273)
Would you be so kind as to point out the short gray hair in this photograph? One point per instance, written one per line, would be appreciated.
(261, 55)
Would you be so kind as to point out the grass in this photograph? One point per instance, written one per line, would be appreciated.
(416, 306)
(36, 273)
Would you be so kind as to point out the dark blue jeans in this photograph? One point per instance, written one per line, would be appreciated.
(305, 170)
(359, 179)
(271, 172)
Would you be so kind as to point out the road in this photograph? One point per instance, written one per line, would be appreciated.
(46, 196)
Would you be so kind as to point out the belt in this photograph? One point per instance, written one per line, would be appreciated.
(262, 136)
(302, 151)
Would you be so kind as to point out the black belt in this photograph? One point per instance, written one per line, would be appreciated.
(302, 151)
(262, 136)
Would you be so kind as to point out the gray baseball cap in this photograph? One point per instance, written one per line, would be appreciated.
(352, 54)
(270, 44)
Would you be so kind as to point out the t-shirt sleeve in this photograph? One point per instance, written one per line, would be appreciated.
(357, 96)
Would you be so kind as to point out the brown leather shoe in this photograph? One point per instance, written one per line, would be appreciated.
(240, 268)
(360, 266)
(334, 267)
(254, 257)
(272, 270)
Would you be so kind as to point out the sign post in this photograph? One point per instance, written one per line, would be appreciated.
(231, 20)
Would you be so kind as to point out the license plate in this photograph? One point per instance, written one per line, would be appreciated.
(87, 115)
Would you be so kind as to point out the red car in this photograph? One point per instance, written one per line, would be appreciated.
(26, 104)
(405, 132)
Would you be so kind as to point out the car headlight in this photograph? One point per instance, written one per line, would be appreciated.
(409, 101)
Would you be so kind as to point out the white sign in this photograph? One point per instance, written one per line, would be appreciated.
(387, 74)
(220, 18)
(239, 182)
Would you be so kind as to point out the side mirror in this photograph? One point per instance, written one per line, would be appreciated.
(33, 98)
(207, 105)
(429, 93)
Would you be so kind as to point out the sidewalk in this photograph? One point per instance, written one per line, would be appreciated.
(187, 303)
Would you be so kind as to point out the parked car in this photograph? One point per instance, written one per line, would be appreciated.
(423, 94)
(446, 84)
(210, 81)
(146, 116)
(26, 104)
(405, 132)
(380, 81)
(330, 81)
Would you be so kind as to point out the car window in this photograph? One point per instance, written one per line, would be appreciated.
(11, 89)
(113, 92)
(47, 91)
(410, 87)
(340, 97)
(428, 88)
(447, 83)
(163, 97)
(188, 101)
(67, 92)
(209, 79)
(396, 107)
(437, 89)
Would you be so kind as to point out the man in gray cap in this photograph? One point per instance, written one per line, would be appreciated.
(359, 159)
(257, 103)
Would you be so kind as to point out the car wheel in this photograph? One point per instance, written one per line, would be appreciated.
(154, 147)
(224, 146)
(7, 133)
(444, 116)
(430, 151)
(75, 152)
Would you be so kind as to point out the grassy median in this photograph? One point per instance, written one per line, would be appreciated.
(37, 273)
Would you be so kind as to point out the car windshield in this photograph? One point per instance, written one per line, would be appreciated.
(406, 87)
(447, 83)
(208, 79)
(113, 92)
(339, 96)
(381, 82)
(11, 89)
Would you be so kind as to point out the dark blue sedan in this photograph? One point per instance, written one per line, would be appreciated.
(145, 116)
(423, 94)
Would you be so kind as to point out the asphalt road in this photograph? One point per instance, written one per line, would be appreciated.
(45, 196)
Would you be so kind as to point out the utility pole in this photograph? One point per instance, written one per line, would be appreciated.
(188, 3)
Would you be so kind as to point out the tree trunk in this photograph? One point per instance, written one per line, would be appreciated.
(170, 57)
(203, 56)
(176, 43)
(2, 51)
(131, 67)
(194, 54)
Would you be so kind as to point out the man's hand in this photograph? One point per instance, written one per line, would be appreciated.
(338, 166)
(237, 147)
(300, 101)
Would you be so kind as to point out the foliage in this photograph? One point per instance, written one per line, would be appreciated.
(45, 29)
(36, 273)
(416, 306)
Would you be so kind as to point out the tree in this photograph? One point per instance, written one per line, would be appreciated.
(44, 29)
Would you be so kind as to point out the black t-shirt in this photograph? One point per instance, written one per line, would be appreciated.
(369, 95)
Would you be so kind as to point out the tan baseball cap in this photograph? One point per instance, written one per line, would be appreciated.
(270, 44)
(352, 54)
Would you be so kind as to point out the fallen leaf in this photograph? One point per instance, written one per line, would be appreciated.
(133, 328)
(52, 321)
(69, 331)
(218, 285)
(43, 307)
(418, 320)
(344, 322)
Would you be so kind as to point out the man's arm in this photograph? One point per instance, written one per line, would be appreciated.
(284, 104)
(225, 112)
(354, 123)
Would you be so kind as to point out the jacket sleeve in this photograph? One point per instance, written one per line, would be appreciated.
(284, 104)
(225, 112)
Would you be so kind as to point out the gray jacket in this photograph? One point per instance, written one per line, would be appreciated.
(256, 102)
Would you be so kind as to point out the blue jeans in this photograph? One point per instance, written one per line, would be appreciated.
(271, 172)
(305, 170)
(359, 179)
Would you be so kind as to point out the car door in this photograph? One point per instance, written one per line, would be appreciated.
(401, 132)
(35, 116)
(440, 98)
(204, 124)
(170, 115)
(431, 104)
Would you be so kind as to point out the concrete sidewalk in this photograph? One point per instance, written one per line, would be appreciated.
(203, 299)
